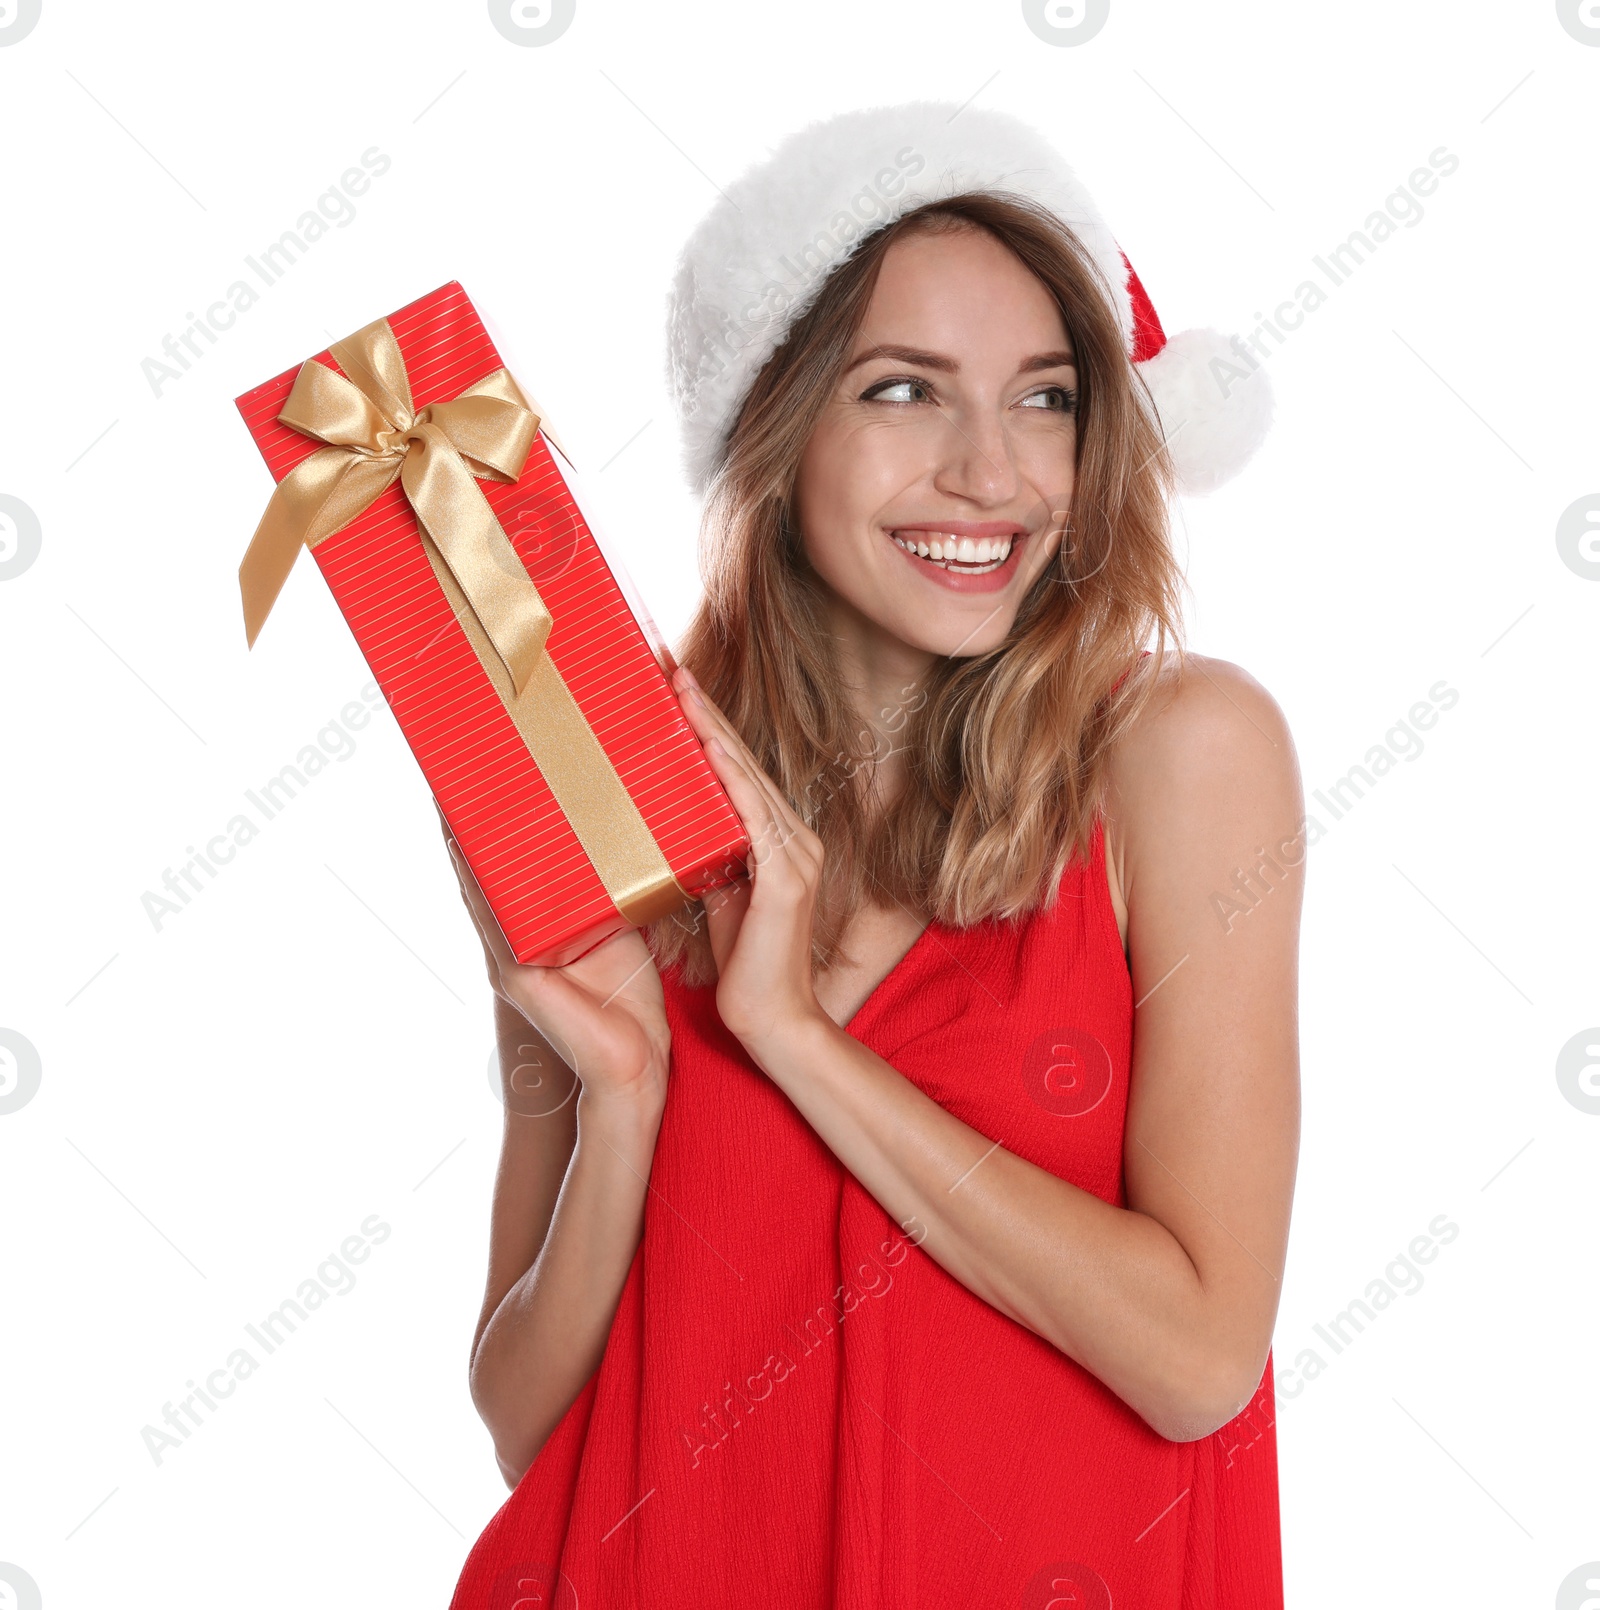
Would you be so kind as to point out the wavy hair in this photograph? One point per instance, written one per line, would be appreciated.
(1005, 752)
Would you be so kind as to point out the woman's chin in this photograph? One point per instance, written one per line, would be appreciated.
(948, 633)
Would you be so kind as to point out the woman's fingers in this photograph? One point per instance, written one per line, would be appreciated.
(710, 724)
(785, 855)
(774, 838)
(782, 812)
(782, 828)
(533, 991)
(497, 956)
(601, 1013)
(782, 872)
(749, 799)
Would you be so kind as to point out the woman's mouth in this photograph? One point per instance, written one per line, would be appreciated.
(972, 555)
(964, 562)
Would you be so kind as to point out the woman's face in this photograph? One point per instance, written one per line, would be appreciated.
(952, 433)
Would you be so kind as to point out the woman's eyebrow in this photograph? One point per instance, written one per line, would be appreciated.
(935, 360)
(1049, 360)
(912, 355)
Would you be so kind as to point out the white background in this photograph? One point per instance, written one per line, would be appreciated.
(225, 1099)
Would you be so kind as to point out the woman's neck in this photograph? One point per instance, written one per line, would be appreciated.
(883, 679)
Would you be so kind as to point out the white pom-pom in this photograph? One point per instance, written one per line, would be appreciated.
(1215, 404)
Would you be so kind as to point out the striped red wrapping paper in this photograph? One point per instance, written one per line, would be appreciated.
(548, 899)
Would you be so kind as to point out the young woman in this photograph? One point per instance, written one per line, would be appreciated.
(904, 1225)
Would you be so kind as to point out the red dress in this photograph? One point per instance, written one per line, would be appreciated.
(797, 1406)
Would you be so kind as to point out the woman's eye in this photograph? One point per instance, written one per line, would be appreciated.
(1062, 399)
(890, 390)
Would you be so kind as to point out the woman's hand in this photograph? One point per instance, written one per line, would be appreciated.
(603, 1014)
(760, 926)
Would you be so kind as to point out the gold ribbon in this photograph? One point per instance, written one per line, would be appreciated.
(439, 453)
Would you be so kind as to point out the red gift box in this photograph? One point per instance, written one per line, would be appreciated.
(450, 691)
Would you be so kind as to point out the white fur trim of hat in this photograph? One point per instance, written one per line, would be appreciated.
(758, 258)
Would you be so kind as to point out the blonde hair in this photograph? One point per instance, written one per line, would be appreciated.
(1005, 751)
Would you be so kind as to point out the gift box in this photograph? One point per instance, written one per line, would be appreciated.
(527, 678)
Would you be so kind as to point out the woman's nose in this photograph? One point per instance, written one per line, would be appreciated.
(976, 460)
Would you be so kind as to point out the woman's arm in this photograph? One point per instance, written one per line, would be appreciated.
(568, 1213)
(539, 1094)
(1171, 1300)
(580, 1135)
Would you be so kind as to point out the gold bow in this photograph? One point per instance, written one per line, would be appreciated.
(375, 434)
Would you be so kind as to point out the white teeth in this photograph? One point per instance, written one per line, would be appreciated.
(943, 548)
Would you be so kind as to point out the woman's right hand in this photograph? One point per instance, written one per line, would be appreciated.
(603, 1014)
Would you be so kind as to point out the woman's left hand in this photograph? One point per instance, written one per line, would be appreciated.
(760, 925)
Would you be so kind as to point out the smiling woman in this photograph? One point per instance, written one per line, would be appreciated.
(948, 1156)
(1013, 663)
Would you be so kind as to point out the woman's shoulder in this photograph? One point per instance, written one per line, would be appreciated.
(1208, 757)
(1198, 697)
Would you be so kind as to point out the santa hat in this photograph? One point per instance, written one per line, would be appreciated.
(759, 257)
